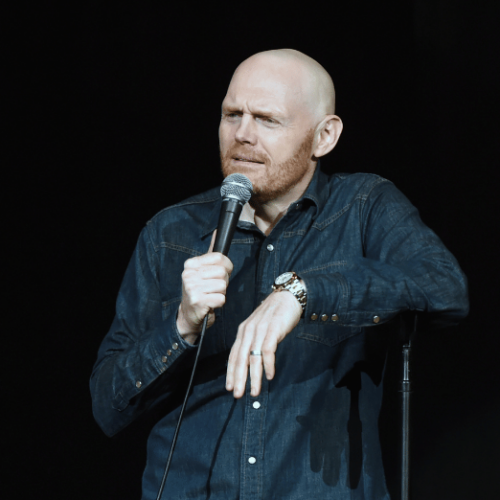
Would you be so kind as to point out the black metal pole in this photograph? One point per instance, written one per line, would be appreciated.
(405, 431)
(408, 328)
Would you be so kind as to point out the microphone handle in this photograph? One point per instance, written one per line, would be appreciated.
(228, 218)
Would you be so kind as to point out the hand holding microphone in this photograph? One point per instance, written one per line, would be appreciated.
(204, 284)
(205, 278)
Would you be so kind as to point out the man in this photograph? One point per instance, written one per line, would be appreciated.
(287, 395)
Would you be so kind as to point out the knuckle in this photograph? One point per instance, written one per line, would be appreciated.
(190, 263)
(266, 351)
(241, 330)
(248, 332)
(216, 258)
(195, 300)
(242, 359)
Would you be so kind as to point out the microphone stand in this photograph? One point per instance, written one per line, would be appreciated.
(408, 327)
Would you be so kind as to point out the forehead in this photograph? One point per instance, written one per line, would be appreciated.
(277, 88)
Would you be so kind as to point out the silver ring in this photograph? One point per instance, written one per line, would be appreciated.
(255, 353)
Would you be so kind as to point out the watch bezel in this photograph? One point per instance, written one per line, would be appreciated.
(284, 278)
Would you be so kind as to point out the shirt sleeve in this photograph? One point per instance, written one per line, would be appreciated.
(142, 349)
(404, 266)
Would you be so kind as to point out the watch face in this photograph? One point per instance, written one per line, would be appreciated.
(283, 278)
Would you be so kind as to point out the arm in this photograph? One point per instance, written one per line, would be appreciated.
(404, 266)
(133, 354)
(146, 351)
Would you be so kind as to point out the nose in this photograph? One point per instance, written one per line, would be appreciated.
(245, 133)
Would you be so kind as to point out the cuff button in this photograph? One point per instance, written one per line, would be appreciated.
(376, 319)
(175, 346)
(335, 317)
(164, 359)
(169, 353)
(324, 317)
(314, 316)
(138, 384)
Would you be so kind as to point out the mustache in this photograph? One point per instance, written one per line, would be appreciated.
(241, 154)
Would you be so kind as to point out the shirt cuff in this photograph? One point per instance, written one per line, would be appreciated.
(326, 297)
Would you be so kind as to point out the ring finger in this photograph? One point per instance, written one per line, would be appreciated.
(255, 371)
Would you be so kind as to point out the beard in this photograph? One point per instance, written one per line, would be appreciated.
(270, 180)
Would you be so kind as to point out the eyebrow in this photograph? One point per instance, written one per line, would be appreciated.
(255, 112)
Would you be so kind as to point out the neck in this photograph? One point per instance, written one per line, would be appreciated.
(266, 215)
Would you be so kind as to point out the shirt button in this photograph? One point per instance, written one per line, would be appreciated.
(256, 405)
(376, 319)
(169, 352)
(314, 316)
(252, 460)
(335, 317)
(270, 247)
(324, 317)
(164, 359)
(175, 346)
(138, 384)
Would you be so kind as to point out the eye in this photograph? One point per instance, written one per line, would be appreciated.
(267, 120)
(231, 115)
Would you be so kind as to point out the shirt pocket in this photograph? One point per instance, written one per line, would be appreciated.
(329, 335)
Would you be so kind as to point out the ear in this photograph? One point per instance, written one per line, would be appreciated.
(329, 129)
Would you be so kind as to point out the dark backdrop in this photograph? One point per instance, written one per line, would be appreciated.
(116, 110)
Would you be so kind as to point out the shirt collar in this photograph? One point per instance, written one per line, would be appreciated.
(316, 193)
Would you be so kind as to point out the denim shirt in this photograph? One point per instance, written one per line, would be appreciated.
(312, 433)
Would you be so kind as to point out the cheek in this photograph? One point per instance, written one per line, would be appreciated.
(280, 149)
(224, 136)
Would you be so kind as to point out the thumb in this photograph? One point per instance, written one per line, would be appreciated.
(211, 318)
(212, 243)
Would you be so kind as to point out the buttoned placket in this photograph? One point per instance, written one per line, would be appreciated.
(252, 458)
(253, 444)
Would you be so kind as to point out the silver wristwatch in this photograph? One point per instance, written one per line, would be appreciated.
(291, 282)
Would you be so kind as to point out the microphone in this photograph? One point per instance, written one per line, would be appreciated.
(235, 191)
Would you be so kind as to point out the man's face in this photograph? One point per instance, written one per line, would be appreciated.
(266, 132)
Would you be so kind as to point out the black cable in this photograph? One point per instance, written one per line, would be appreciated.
(174, 440)
(236, 190)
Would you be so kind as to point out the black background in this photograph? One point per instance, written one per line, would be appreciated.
(116, 111)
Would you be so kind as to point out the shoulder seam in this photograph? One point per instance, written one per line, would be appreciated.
(183, 204)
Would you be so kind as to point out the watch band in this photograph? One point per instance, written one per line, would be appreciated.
(291, 282)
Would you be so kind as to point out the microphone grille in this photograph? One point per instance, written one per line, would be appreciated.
(237, 186)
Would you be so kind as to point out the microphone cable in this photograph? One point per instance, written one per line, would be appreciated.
(236, 190)
(176, 433)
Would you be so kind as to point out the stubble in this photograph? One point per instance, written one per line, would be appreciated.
(278, 178)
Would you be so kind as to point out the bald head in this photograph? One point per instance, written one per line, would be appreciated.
(277, 119)
(307, 83)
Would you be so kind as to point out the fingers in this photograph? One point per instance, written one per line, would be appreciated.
(255, 373)
(262, 331)
(241, 361)
(205, 273)
(214, 260)
(269, 357)
(204, 283)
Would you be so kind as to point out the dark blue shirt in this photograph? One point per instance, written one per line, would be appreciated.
(312, 433)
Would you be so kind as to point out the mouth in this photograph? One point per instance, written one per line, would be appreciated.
(246, 159)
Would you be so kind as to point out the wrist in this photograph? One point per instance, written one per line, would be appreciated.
(291, 283)
(184, 328)
(290, 297)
